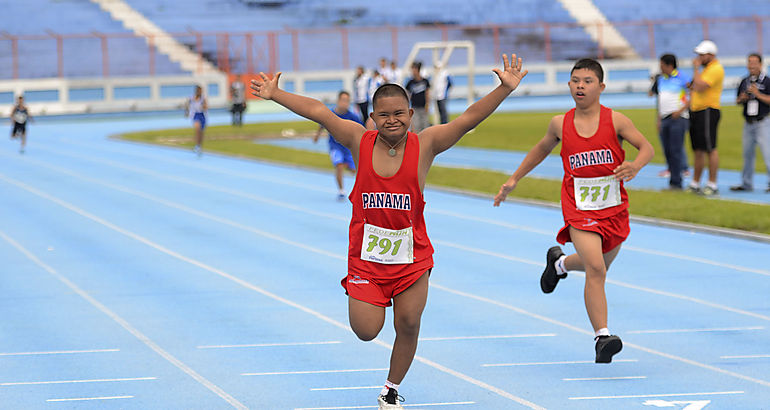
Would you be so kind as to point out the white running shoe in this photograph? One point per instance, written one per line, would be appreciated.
(390, 401)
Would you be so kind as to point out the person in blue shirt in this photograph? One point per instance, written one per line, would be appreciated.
(673, 116)
(338, 153)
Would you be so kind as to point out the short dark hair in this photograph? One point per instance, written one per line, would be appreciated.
(417, 65)
(757, 55)
(589, 64)
(668, 59)
(341, 93)
(389, 90)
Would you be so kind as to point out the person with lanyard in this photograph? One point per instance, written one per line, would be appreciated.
(20, 116)
(361, 84)
(754, 94)
(390, 256)
(442, 83)
(338, 153)
(197, 107)
(707, 82)
(594, 201)
(671, 88)
(418, 89)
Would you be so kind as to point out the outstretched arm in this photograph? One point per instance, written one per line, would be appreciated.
(442, 137)
(626, 129)
(345, 132)
(534, 157)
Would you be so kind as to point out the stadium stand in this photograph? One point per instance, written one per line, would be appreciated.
(734, 38)
(81, 56)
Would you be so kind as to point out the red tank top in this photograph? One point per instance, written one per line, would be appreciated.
(392, 203)
(592, 157)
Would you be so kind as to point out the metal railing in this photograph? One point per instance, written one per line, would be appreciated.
(346, 47)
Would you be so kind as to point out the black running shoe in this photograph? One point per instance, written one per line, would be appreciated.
(606, 347)
(549, 279)
(390, 401)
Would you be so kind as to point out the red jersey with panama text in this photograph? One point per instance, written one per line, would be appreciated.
(392, 203)
(596, 156)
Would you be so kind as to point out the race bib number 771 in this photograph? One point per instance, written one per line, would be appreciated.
(387, 246)
(597, 193)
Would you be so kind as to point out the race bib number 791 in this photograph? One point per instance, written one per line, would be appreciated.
(387, 246)
(597, 193)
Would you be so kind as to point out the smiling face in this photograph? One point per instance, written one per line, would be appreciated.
(585, 87)
(392, 116)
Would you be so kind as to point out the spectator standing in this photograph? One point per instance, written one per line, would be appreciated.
(442, 82)
(673, 116)
(398, 75)
(385, 71)
(238, 98)
(707, 81)
(375, 83)
(418, 89)
(753, 93)
(361, 84)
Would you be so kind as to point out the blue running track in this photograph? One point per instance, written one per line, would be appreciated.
(139, 277)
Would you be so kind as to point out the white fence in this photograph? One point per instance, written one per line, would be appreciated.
(100, 95)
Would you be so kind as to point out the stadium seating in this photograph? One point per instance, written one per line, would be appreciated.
(733, 38)
(81, 56)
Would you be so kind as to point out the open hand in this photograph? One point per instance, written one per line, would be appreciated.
(626, 171)
(505, 189)
(267, 87)
(511, 74)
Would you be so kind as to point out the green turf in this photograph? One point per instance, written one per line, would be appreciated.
(667, 205)
(521, 131)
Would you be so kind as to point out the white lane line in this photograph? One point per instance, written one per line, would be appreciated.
(123, 323)
(197, 165)
(427, 339)
(455, 403)
(748, 356)
(434, 285)
(638, 396)
(580, 379)
(608, 280)
(555, 363)
(315, 372)
(337, 217)
(125, 379)
(699, 260)
(92, 398)
(345, 388)
(247, 285)
(713, 329)
(333, 342)
(586, 332)
(432, 210)
(58, 352)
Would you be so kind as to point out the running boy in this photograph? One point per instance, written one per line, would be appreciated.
(19, 117)
(593, 199)
(339, 154)
(389, 255)
(197, 107)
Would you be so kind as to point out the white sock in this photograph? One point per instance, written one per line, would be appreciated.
(602, 332)
(559, 265)
(695, 184)
(388, 385)
(712, 185)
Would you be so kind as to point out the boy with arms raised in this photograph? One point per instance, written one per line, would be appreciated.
(593, 199)
(390, 256)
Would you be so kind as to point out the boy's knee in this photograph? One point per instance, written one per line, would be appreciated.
(366, 336)
(408, 325)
